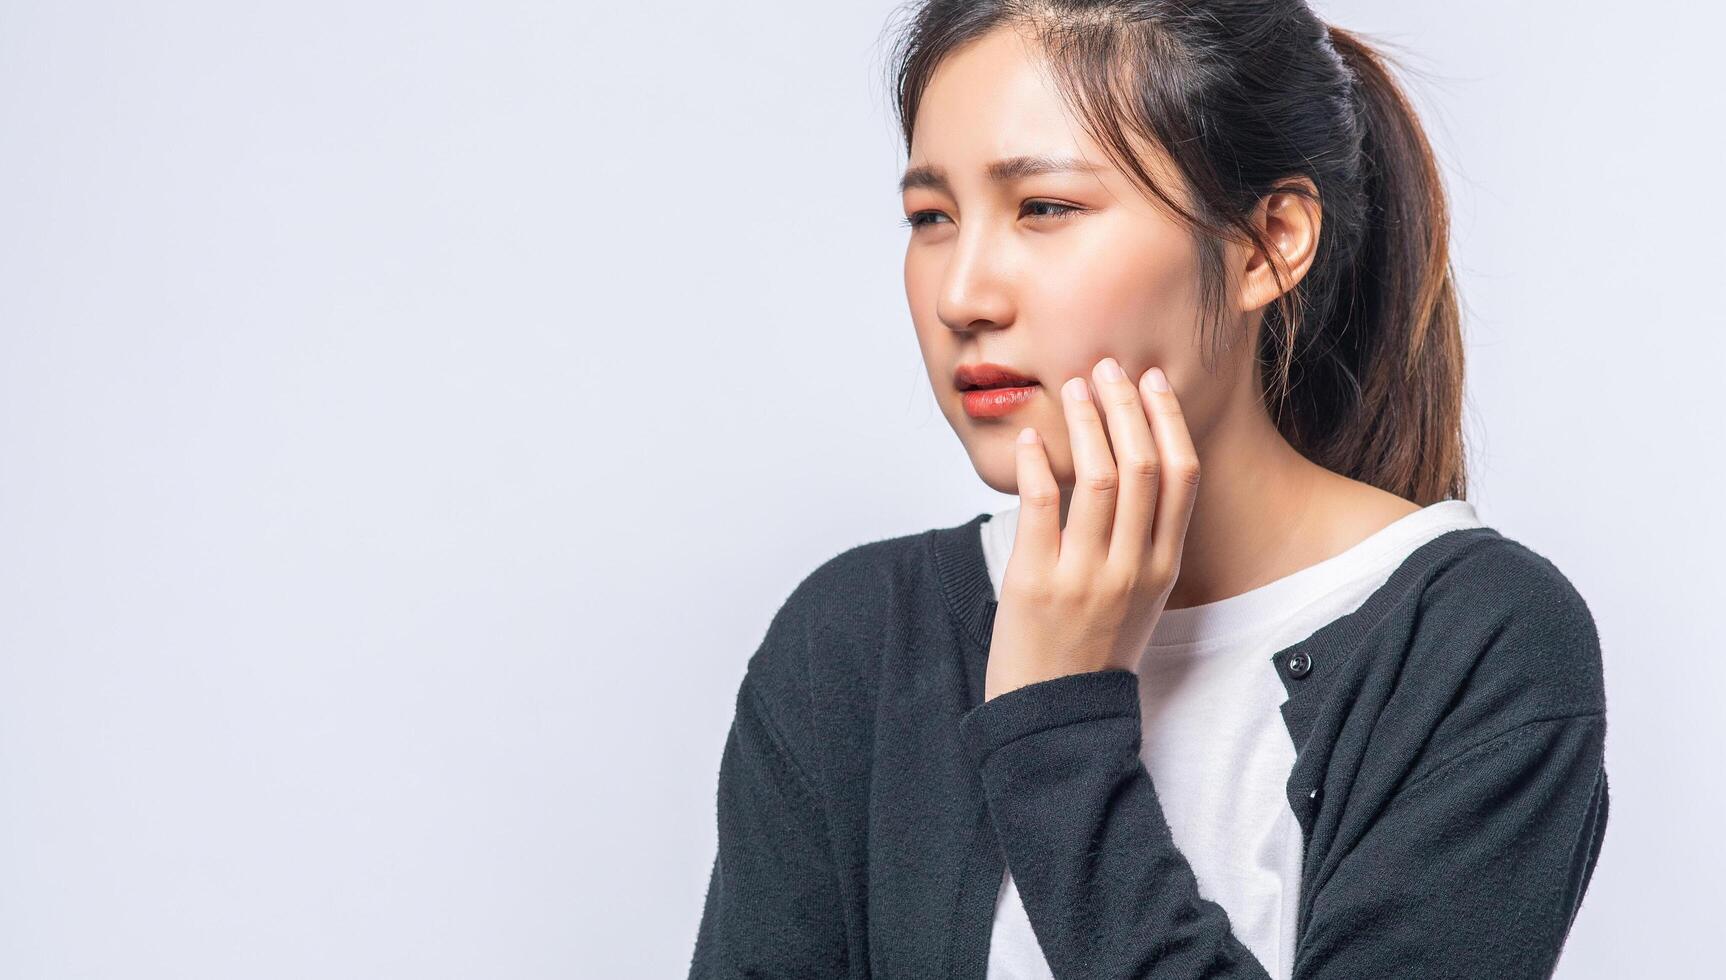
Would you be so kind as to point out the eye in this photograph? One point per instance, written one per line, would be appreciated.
(918, 219)
(1061, 210)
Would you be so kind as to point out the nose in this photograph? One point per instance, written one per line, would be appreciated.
(974, 292)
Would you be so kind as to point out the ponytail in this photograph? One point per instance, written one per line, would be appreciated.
(1397, 294)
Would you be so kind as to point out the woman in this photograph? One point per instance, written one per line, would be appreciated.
(1305, 716)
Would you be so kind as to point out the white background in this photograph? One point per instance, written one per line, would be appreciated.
(411, 416)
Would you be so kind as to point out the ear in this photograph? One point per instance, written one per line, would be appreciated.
(1290, 222)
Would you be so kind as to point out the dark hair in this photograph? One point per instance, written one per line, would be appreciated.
(1364, 355)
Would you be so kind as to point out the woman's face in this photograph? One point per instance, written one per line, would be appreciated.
(1044, 273)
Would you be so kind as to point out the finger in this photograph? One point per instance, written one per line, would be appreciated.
(1179, 485)
(1091, 511)
(1136, 464)
(1038, 537)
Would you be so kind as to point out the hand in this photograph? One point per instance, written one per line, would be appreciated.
(1087, 597)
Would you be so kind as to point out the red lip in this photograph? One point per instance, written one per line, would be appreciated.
(986, 375)
(993, 403)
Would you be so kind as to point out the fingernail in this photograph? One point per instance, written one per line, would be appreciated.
(1027, 435)
(1110, 370)
(1157, 380)
(1077, 390)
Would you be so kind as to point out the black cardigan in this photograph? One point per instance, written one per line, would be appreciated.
(1449, 782)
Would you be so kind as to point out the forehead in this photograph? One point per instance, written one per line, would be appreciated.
(991, 99)
(993, 112)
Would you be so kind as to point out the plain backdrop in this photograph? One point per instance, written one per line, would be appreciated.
(412, 414)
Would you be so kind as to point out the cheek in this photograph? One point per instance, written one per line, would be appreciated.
(920, 301)
(1136, 301)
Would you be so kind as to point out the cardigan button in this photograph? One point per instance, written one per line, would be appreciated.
(1299, 664)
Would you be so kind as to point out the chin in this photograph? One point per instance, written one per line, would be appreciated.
(996, 466)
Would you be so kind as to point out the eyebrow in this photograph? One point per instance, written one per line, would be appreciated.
(1000, 171)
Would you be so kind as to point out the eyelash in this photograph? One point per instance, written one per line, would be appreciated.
(1062, 211)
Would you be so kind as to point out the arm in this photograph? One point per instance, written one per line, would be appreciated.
(773, 905)
(1475, 869)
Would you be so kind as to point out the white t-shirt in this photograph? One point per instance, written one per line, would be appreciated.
(1215, 742)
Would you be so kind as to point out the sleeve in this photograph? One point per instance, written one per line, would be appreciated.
(1477, 869)
(1474, 870)
(773, 905)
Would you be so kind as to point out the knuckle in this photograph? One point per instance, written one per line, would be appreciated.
(1117, 588)
(1104, 482)
(1141, 465)
(1041, 497)
(1165, 570)
(1189, 472)
(1067, 592)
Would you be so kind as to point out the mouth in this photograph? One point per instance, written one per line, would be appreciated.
(991, 390)
(973, 377)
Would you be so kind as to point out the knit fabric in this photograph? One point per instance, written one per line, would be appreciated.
(1210, 701)
(1449, 781)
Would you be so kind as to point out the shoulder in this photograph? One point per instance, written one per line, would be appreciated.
(853, 579)
(821, 642)
(852, 590)
(1513, 630)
